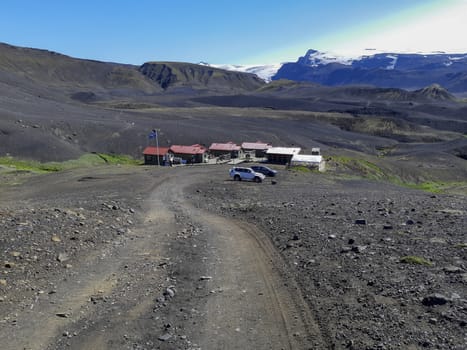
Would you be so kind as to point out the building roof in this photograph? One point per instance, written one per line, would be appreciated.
(290, 151)
(154, 151)
(228, 147)
(307, 158)
(193, 149)
(258, 145)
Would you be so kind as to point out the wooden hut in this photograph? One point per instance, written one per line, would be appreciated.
(155, 155)
(258, 148)
(281, 155)
(228, 149)
(189, 154)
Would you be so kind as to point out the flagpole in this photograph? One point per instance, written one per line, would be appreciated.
(157, 146)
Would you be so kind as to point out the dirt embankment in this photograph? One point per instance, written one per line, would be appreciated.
(381, 267)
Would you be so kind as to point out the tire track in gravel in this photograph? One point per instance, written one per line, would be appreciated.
(250, 304)
(230, 283)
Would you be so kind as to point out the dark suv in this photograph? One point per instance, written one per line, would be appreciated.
(264, 170)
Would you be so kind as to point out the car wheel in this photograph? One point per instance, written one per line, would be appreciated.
(257, 179)
(237, 178)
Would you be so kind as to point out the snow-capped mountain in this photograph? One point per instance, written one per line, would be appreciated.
(400, 70)
(316, 58)
(264, 72)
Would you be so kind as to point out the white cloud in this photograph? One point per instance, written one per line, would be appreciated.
(439, 30)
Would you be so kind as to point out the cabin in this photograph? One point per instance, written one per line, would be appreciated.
(257, 149)
(312, 161)
(281, 155)
(155, 155)
(228, 150)
(189, 154)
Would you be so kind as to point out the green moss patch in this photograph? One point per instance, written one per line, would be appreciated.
(86, 160)
(415, 260)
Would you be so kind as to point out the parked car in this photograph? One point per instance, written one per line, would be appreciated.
(264, 170)
(239, 173)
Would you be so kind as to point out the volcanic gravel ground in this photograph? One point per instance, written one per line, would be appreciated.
(382, 267)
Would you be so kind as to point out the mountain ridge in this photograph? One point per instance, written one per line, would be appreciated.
(410, 71)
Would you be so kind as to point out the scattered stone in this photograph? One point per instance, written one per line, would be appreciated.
(332, 236)
(410, 222)
(346, 249)
(62, 257)
(452, 269)
(388, 227)
(165, 337)
(15, 254)
(435, 299)
(169, 292)
(204, 278)
(3, 282)
(359, 248)
(360, 222)
(9, 265)
(62, 314)
(56, 239)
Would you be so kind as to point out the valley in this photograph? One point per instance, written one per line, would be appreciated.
(101, 252)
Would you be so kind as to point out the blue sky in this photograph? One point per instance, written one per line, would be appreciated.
(235, 32)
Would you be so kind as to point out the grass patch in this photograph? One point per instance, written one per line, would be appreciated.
(86, 160)
(120, 159)
(431, 186)
(415, 260)
(362, 167)
(354, 167)
(28, 165)
(301, 169)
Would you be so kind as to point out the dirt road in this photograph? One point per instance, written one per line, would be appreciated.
(180, 278)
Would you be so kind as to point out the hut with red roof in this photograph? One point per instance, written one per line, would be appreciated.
(189, 154)
(228, 149)
(155, 155)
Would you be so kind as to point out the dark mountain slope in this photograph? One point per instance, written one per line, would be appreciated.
(53, 69)
(406, 71)
(51, 74)
(175, 74)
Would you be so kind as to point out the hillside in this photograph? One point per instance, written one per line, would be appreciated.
(54, 108)
(48, 73)
(176, 74)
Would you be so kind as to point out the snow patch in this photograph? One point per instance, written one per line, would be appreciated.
(392, 65)
(265, 72)
(317, 58)
(458, 58)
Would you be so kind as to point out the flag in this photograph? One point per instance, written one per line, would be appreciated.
(153, 134)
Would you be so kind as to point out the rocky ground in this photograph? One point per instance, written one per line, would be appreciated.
(185, 258)
(382, 267)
